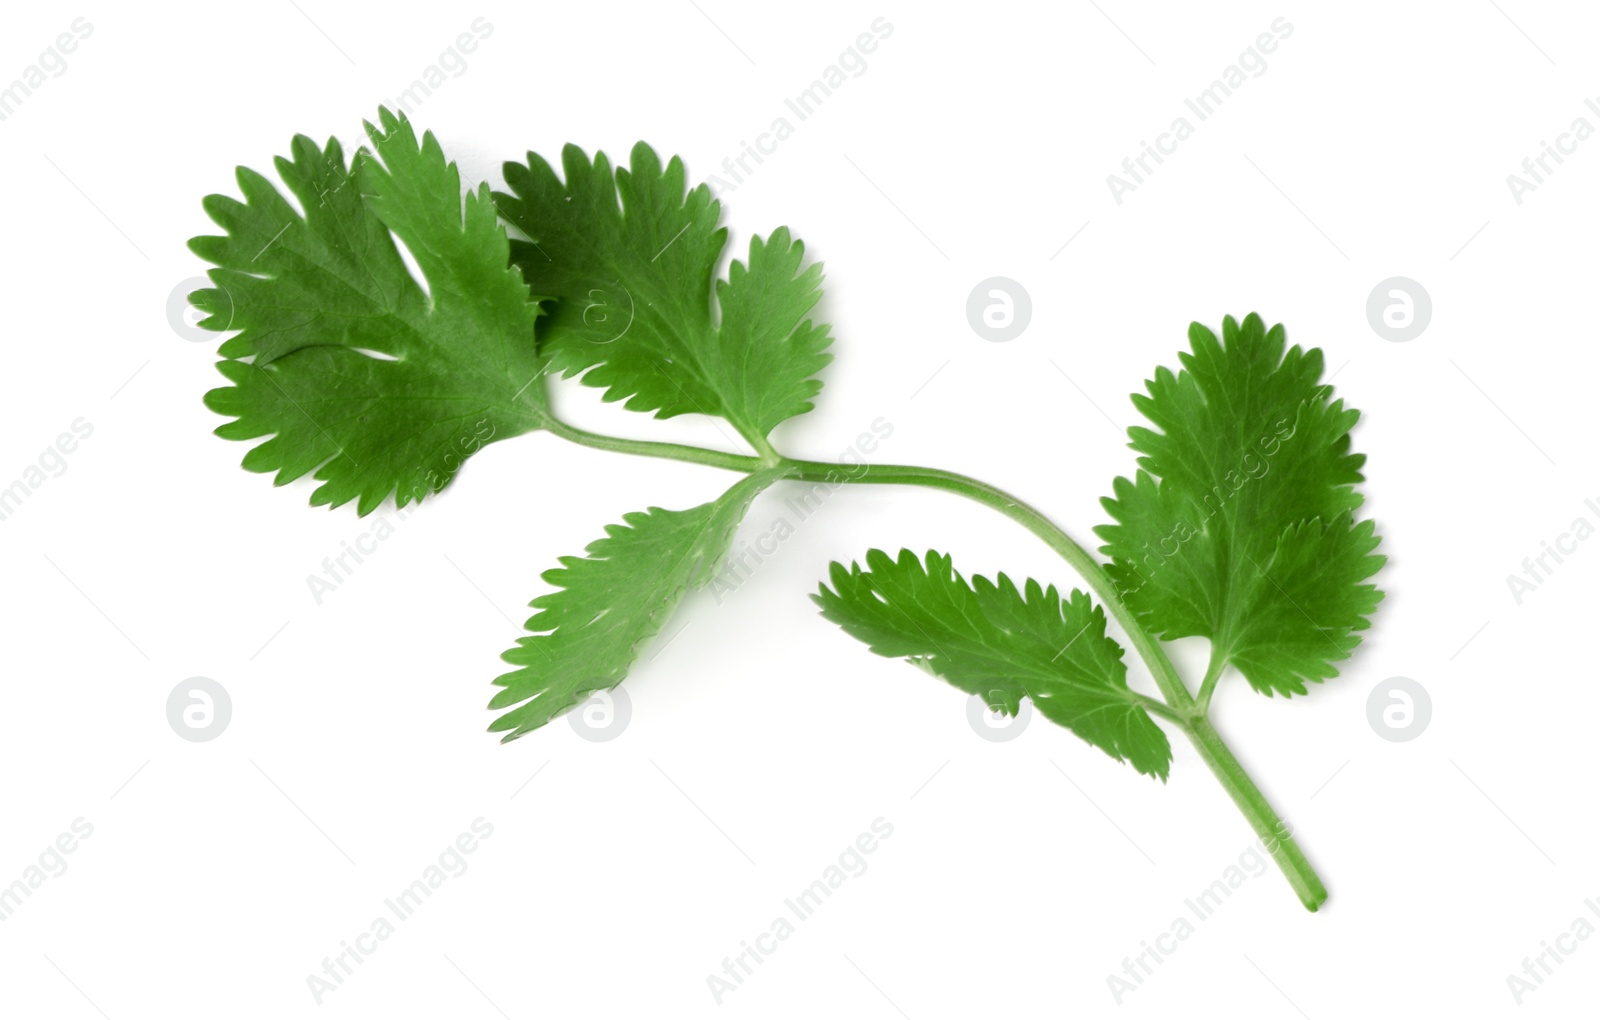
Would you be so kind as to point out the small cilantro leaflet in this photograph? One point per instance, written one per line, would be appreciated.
(586, 635)
(1239, 525)
(356, 372)
(1003, 644)
(635, 281)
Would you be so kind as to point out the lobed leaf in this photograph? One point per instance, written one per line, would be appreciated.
(631, 253)
(586, 635)
(355, 371)
(1003, 644)
(1240, 524)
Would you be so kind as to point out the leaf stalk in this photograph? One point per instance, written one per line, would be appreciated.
(1179, 707)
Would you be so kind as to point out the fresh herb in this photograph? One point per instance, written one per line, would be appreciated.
(1239, 524)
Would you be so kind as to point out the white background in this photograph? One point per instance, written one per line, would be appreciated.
(763, 740)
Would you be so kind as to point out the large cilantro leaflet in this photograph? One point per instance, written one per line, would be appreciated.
(1239, 525)
(1003, 644)
(586, 635)
(634, 281)
(356, 372)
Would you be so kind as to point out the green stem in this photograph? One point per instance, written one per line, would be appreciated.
(1273, 832)
(1180, 708)
(1214, 670)
(645, 448)
(1159, 707)
(1166, 677)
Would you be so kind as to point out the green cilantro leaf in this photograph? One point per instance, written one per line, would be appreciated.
(990, 639)
(635, 282)
(355, 371)
(1239, 525)
(586, 635)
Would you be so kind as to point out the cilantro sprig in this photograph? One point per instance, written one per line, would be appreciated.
(1239, 524)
